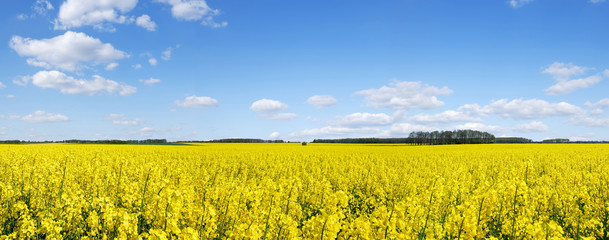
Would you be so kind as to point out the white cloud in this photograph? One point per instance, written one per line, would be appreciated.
(69, 51)
(479, 127)
(99, 14)
(563, 71)
(535, 126)
(150, 81)
(590, 122)
(267, 105)
(22, 80)
(518, 3)
(167, 53)
(603, 103)
(111, 66)
(42, 7)
(270, 109)
(70, 85)
(2, 85)
(197, 102)
(145, 22)
(321, 101)
(121, 119)
(403, 129)
(597, 1)
(596, 111)
(449, 116)
(274, 135)
(194, 10)
(209, 21)
(405, 95)
(11, 96)
(530, 109)
(42, 116)
(363, 119)
(152, 61)
(564, 87)
(137, 66)
(333, 131)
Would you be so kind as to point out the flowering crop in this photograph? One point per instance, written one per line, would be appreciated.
(318, 191)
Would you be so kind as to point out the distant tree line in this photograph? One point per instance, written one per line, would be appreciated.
(512, 140)
(425, 138)
(556, 140)
(237, 140)
(451, 137)
(78, 141)
(147, 141)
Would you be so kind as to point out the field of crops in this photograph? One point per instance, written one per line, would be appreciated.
(319, 191)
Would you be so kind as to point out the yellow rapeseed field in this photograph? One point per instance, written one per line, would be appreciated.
(319, 191)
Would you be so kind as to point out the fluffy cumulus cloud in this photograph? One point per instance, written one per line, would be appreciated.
(69, 52)
(565, 87)
(70, 85)
(197, 102)
(121, 119)
(322, 101)
(449, 116)
(145, 22)
(479, 127)
(535, 126)
(405, 95)
(563, 72)
(363, 119)
(270, 109)
(42, 117)
(530, 109)
(99, 14)
(268, 105)
(150, 81)
(194, 10)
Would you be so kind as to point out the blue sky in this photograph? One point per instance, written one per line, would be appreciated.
(300, 70)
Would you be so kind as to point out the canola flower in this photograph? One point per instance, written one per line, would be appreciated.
(319, 191)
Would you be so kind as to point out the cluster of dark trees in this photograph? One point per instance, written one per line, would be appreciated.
(556, 140)
(512, 140)
(237, 140)
(425, 138)
(451, 137)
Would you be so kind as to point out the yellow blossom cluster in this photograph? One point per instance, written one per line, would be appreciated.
(318, 191)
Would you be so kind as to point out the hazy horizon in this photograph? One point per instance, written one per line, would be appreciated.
(298, 71)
